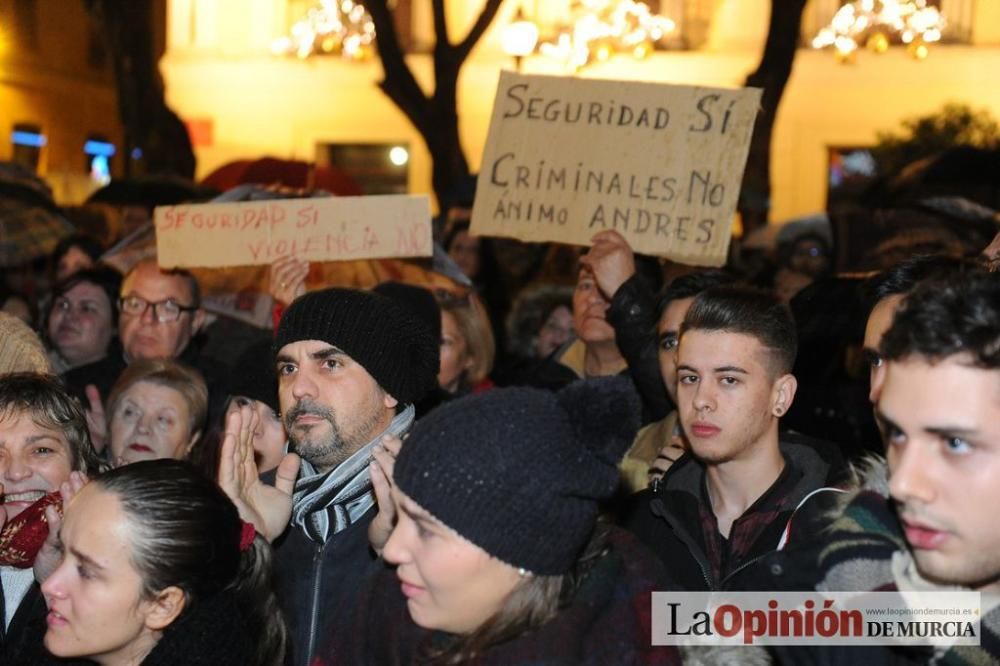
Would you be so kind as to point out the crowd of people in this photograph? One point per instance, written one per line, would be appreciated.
(497, 473)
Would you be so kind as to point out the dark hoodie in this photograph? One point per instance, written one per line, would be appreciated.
(675, 519)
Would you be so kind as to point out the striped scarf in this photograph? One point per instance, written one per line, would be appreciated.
(345, 493)
(862, 545)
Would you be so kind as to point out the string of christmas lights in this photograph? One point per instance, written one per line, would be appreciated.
(337, 27)
(878, 24)
(598, 29)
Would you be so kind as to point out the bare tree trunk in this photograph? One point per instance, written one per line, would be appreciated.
(434, 116)
(772, 75)
(148, 122)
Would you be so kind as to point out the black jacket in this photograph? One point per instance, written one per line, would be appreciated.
(318, 585)
(668, 518)
(632, 313)
(24, 635)
(213, 632)
(605, 621)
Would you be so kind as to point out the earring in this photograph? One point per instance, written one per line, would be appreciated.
(522, 572)
(779, 410)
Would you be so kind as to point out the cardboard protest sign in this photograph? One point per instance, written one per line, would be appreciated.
(318, 229)
(662, 164)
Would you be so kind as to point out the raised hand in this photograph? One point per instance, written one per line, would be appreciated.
(382, 467)
(97, 420)
(611, 260)
(50, 554)
(268, 508)
(288, 279)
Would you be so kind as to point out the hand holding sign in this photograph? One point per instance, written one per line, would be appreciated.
(611, 261)
(287, 279)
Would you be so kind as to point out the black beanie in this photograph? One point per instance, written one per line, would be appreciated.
(254, 375)
(417, 300)
(519, 471)
(396, 348)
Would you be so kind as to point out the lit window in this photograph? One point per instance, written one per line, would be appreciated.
(99, 152)
(28, 142)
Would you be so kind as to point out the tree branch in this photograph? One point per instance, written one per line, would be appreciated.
(478, 28)
(398, 82)
(440, 25)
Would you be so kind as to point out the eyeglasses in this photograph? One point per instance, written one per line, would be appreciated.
(449, 298)
(163, 311)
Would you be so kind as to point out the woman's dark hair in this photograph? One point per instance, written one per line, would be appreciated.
(100, 275)
(532, 603)
(530, 311)
(489, 269)
(185, 532)
(89, 245)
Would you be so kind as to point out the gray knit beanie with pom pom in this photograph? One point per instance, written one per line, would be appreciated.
(519, 471)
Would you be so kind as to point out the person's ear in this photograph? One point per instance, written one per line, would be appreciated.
(198, 321)
(782, 394)
(165, 608)
(389, 401)
(190, 445)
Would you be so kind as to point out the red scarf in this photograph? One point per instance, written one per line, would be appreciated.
(22, 537)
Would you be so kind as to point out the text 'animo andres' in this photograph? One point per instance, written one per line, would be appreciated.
(628, 220)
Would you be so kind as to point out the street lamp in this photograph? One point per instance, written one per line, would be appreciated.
(519, 38)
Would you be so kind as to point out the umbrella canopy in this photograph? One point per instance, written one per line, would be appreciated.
(30, 222)
(28, 232)
(151, 191)
(290, 173)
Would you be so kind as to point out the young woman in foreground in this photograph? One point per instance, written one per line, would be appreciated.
(500, 557)
(158, 568)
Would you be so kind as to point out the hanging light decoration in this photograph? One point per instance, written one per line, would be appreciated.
(879, 23)
(335, 27)
(598, 29)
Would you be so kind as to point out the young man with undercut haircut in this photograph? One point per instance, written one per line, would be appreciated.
(724, 506)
